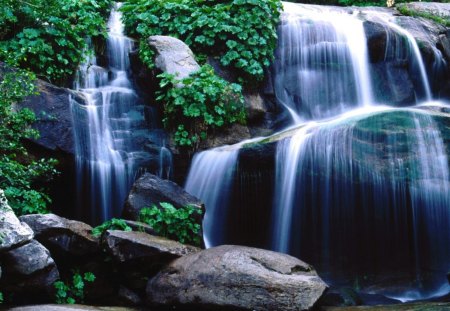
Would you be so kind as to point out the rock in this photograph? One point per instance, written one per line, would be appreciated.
(13, 232)
(140, 226)
(63, 235)
(150, 189)
(28, 259)
(255, 106)
(236, 277)
(140, 255)
(29, 270)
(52, 107)
(173, 56)
(129, 297)
(127, 246)
(436, 9)
(229, 136)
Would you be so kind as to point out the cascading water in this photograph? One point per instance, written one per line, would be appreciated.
(361, 196)
(316, 51)
(110, 129)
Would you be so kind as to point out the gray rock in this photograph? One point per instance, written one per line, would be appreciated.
(150, 189)
(237, 277)
(255, 106)
(28, 259)
(69, 236)
(228, 136)
(173, 56)
(126, 246)
(29, 271)
(13, 232)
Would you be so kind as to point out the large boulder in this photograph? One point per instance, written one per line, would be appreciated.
(66, 236)
(150, 190)
(173, 56)
(236, 277)
(13, 232)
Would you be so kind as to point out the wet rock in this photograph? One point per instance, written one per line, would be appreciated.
(150, 190)
(236, 277)
(173, 56)
(14, 233)
(61, 234)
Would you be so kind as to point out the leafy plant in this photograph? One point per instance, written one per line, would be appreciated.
(199, 104)
(241, 33)
(73, 292)
(113, 224)
(178, 224)
(48, 37)
(21, 176)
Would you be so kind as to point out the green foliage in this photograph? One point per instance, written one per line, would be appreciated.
(242, 33)
(113, 224)
(19, 173)
(1, 297)
(71, 293)
(199, 104)
(48, 37)
(178, 224)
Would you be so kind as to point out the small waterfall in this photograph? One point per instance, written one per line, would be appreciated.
(110, 129)
(395, 48)
(321, 65)
(210, 178)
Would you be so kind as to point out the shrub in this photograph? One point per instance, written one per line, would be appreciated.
(48, 37)
(203, 103)
(113, 224)
(73, 292)
(178, 224)
(242, 33)
(20, 174)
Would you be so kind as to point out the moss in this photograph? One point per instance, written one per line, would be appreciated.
(403, 9)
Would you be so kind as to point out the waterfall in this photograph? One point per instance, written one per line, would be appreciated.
(109, 129)
(360, 190)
